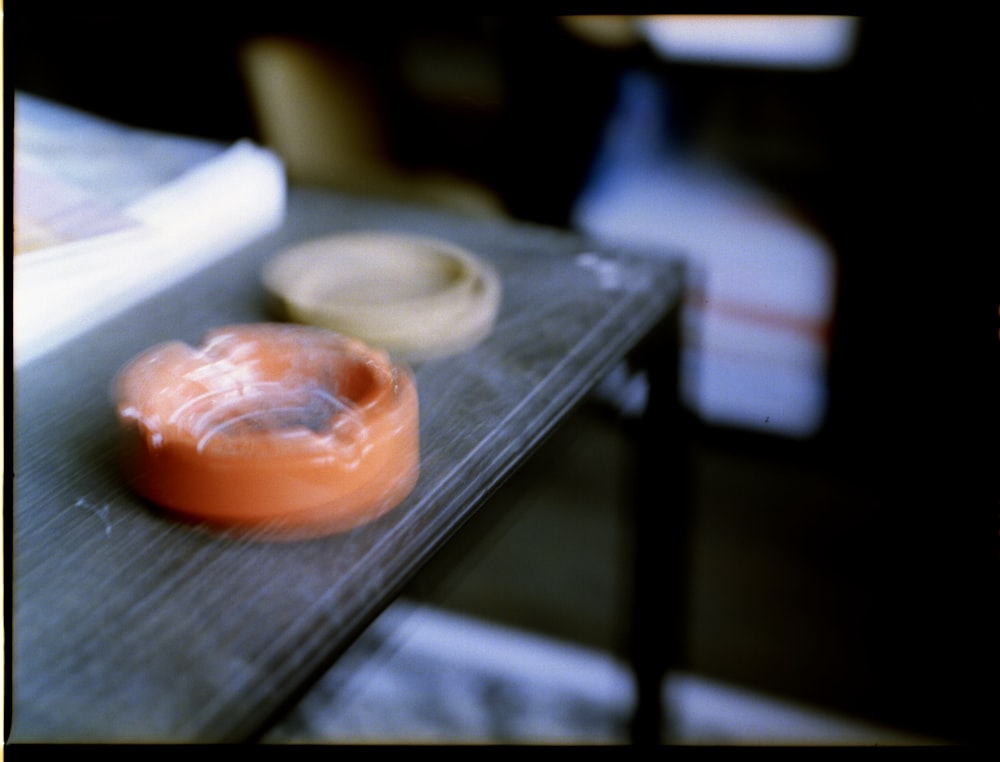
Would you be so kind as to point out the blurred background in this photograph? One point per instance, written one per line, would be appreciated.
(827, 183)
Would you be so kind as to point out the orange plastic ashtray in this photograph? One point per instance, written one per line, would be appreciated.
(292, 429)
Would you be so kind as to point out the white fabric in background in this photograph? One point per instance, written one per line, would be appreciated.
(761, 302)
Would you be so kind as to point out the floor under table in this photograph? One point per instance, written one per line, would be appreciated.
(515, 633)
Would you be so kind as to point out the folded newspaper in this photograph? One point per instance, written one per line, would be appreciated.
(106, 214)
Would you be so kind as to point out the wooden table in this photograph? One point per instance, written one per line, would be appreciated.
(129, 626)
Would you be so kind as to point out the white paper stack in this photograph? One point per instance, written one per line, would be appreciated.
(106, 214)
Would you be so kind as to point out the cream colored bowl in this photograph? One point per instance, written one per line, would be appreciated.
(415, 297)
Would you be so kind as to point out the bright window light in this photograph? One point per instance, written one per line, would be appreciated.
(810, 42)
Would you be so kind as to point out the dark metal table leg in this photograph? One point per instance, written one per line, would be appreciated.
(661, 523)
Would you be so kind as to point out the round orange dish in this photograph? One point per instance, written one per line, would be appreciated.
(291, 429)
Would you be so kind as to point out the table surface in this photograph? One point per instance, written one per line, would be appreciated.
(130, 626)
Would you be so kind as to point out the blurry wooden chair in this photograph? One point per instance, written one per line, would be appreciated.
(316, 111)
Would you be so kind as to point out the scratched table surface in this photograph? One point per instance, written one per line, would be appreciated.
(128, 626)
